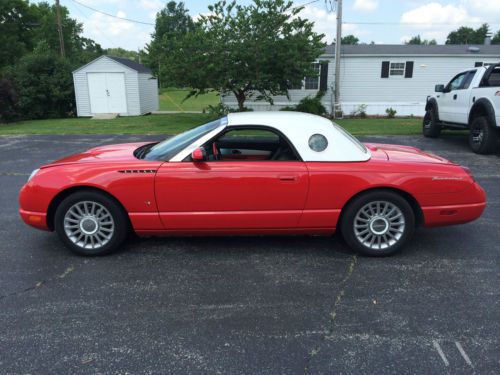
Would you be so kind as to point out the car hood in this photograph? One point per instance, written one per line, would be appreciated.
(406, 154)
(118, 152)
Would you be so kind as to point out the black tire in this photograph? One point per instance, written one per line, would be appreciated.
(482, 136)
(430, 126)
(399, 229)
(117, 228)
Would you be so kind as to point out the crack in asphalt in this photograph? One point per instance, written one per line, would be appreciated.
(333, 314)
(66, 272)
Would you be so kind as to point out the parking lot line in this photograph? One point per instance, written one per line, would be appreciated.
(440, 352)
(463, 353)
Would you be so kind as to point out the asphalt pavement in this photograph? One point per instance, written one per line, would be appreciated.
(231, 305)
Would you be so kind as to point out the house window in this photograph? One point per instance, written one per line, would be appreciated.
(397, 69)
(312, 83)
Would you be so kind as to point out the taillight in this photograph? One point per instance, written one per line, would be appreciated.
(469, 172)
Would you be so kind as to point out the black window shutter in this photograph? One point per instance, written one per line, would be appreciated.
(385, 69)
(409, 69)
(477, 64)
(323, 77)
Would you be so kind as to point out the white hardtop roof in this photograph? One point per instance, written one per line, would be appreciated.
(299, 127)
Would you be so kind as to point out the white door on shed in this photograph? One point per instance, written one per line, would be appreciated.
(107, 92)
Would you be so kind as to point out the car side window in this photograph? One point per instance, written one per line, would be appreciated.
(456, 82)
(251, 144)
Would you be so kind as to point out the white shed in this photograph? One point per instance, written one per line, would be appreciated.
(112, 84)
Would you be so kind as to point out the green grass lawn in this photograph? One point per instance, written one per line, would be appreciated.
(176, 123)
(172, 100)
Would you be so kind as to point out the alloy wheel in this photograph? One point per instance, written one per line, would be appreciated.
(379, 225)
(89, 225)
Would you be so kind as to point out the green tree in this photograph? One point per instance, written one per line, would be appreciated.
(350, 39)
(417, 40)
(78, 49)
(467, 35)
(17, 29)
(258, 50)
(44, 86)
(172, 22)
(121, 52)
(8, 100)
(496, 38)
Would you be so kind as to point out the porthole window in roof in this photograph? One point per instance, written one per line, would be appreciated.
(318, 142)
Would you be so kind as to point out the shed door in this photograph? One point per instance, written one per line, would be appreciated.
(107, 93)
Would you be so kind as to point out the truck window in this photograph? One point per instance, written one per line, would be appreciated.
(456, 82)
(468, 79)
(494, 78)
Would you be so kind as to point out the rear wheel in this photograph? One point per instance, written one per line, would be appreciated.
(482, 136)
(431, 127)
(90, 223)
(378, 223)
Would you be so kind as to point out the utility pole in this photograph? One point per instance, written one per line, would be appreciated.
(337, 57)
(59, 28)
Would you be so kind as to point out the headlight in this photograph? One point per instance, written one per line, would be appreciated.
(33, 174)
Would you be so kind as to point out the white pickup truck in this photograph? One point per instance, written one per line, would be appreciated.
(471, 100)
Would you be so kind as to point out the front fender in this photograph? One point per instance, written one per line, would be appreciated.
(135, 191)
(432, 103)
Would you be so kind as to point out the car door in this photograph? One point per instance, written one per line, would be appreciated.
(447, 99)
(461, 99)
(232, 193)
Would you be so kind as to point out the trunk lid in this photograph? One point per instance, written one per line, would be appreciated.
(406, 154)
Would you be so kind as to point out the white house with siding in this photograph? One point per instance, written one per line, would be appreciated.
(383, 76)
(116, 85)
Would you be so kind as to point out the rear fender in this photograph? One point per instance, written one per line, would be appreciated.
(483, 107)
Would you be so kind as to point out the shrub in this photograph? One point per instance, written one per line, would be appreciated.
(309, 105)
(360, 111)
(8, 101)
(44, 85)
(391, 113)
(221, 110)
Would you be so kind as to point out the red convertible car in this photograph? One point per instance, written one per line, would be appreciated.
(250, 173)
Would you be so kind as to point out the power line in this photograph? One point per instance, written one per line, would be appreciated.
(112, 15)
(305, 4)
(420, 23)
(98, 29)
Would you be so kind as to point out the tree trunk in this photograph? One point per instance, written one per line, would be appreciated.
(240, 97)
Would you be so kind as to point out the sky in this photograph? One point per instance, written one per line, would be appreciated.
(380, 21)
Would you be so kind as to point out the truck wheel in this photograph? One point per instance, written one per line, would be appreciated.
(431, 127)
(482, 136)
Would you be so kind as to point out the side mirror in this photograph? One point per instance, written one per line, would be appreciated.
(199, 154)
(439, 88)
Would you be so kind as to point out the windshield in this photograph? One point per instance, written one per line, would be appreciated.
(170, 147)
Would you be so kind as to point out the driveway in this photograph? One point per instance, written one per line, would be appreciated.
(248, 304)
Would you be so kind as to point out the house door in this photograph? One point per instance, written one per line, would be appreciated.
(107, 92)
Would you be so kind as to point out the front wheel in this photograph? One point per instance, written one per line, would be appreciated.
(482, 136)
(90, 223)
(378, 223)
(430, 127)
